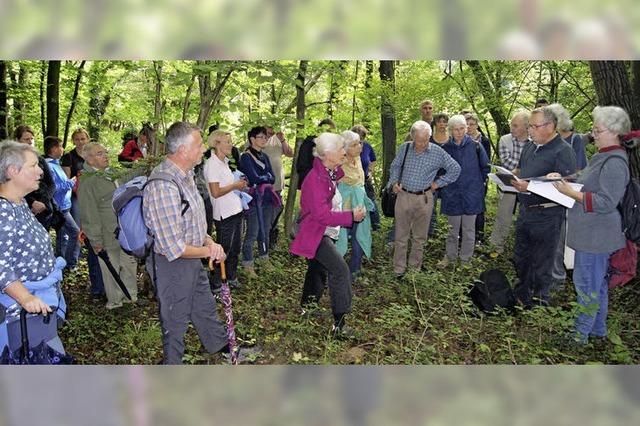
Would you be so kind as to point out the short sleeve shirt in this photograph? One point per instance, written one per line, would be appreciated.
(72, 159)
(25, 246)
(218, 171)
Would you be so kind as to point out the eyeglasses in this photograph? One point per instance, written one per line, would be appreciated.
(537, 126)
(260, 137)
(596, 132)
(101, 154)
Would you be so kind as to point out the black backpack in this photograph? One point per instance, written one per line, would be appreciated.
(492, 290)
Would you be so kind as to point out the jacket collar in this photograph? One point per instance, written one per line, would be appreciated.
(322, 170)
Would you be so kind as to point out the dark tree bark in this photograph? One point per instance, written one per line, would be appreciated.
(300, 116)
(491, 97)
(154, 149)
(335, 80)
(74, 99)
(388, 117)
(210, 91)
(3, 100)
(19, 83)
(53, 98)
(43, 76)
(187, 99)
(613, 86)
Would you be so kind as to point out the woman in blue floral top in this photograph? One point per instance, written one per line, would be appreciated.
(25, 246)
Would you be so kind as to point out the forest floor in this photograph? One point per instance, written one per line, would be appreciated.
(427, 318)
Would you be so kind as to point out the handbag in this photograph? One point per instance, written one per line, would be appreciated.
(387, 196)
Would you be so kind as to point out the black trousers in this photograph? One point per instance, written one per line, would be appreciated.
(328, 261)
(537, 233)
(229, 236)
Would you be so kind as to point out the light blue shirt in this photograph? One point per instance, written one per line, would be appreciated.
(420, 169)
(64, 185)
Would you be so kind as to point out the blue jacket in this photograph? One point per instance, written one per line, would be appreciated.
(64, 185)
(466, 195)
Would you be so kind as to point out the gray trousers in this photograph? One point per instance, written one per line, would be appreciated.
(504, 218)
(184, 295)
(127, 269)
(468, 224)
(559, 272)
(413, 214)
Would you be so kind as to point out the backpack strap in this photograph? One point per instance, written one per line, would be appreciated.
(169, 178)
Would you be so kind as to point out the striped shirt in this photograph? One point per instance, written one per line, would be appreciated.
(420, 169)
(510, 150)
(162, 210)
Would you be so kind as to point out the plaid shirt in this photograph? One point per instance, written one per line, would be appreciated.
(420, 169)
(162, 210)
(510, 150)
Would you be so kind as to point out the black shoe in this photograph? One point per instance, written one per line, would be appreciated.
(342, 332)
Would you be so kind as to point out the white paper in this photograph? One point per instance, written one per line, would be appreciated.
(548, 191)
(504, 188)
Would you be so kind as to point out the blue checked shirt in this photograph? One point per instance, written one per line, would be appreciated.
(420, 169)
(162, 210)
(510, 151)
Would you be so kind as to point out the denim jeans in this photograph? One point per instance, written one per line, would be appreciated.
(253, 233)
(356, 251)
(67, 244)
(95, 274)
(592, 288)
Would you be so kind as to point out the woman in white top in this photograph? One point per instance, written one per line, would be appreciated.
(227, 207)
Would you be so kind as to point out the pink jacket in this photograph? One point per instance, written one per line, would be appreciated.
(315, 203)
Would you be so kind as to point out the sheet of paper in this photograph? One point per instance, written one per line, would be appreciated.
(548, 191)
(503, 187)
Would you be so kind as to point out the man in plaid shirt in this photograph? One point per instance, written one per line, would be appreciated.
(181, 241)
(510, 148)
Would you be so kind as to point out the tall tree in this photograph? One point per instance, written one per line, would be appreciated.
(489, 87)
(158, 105)
(211, 88)
(74, 100)
(3, 100)
(612, 81)
(300, 116)
(388, 116)
(53, 98)
(19, 83)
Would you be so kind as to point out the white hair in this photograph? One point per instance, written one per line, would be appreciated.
(419, 126)
(456, 120)
(350, 138)
(565, 124)
(12, 153)
(612, 118)
(327, 142)
(179, 134)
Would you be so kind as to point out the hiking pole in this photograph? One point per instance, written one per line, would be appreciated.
(105, 257)
(225, 296)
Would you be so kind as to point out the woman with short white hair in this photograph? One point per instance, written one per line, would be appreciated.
(321, 217)
(566, 129)
(30, 274)
(594, 224)
(352, 190)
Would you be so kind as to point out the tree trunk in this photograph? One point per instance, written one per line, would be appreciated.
(335, 78)
(53, 98)
(74, 99)
(157, 104)
(210, 95)
(187, 99)
(354, 105)
(43, 75)
(300, 116)
(3, 100)
(491, 97)
(613, 87)
(388, 117)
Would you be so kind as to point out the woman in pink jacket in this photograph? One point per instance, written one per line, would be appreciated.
(321, 217)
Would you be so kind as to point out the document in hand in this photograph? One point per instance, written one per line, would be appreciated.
(548, 191)
(504, 187)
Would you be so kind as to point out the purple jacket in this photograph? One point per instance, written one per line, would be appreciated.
(315, 211)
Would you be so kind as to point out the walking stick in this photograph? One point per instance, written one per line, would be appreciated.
(225, 296)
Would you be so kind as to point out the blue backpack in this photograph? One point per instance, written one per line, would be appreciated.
(132, 232)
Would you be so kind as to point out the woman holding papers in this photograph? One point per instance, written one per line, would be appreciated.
(594, 227)
(463, 199)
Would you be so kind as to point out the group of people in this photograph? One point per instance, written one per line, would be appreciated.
(213, 185)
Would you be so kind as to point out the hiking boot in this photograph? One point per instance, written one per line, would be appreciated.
(249, 272)
(342, 332)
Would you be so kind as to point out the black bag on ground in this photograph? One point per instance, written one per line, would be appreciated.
(492, 290)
